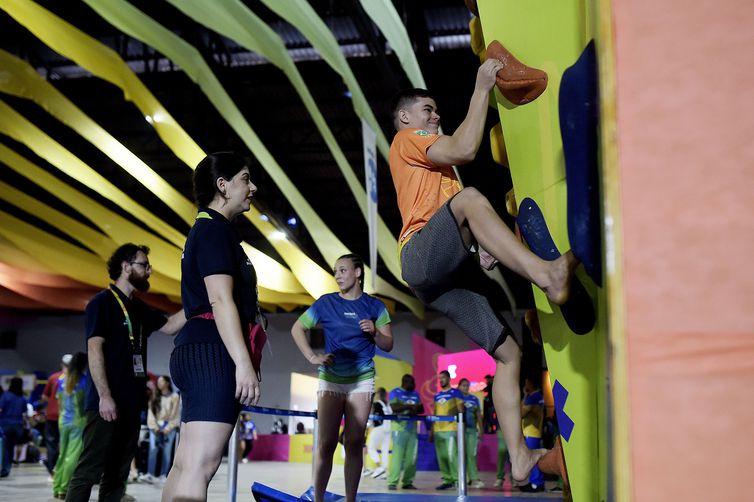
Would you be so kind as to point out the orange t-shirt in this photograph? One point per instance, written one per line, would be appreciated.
(422, 187)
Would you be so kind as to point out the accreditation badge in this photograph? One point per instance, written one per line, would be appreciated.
(139, 366)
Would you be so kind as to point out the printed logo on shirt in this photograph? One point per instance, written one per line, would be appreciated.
(442, 400)
(350, 315)
(422, 132)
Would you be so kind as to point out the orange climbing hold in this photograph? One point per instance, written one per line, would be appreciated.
(517, 82)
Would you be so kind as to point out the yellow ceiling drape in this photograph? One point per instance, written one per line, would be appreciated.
(14, 257)
(234, 20)
(16, 126)
(384, 15)
(132, 21)
(95, 241)
(66, 258)
(105, 63)
(161, 253)
(19, 79)
(84, 266)
(60, 36)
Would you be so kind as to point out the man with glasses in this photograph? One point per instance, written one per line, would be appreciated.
(117, 327)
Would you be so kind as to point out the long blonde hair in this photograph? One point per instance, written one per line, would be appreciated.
(75, 370)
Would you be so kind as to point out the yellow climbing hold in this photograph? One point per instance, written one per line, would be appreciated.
(497, 145)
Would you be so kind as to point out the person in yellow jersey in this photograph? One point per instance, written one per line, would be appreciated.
(448, 402)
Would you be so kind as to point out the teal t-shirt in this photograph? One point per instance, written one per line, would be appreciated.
(72, 405)
(471, 411)
(353, 349)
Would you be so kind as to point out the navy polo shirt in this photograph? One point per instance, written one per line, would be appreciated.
(213, 248)
(104, 318)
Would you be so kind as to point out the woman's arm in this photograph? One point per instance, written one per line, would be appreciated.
(383, 336)
(220, 294)
(151, 420)
(299, 336)
(175, 413)
(174, 323)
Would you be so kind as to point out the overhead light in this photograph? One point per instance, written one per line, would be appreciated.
(277, 235)
(264, 217)
(292, 221)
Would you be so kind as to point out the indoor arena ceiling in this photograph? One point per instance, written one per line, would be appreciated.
(106, 106)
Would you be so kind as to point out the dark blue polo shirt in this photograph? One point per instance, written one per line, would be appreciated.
(104, 318)
(213, 248)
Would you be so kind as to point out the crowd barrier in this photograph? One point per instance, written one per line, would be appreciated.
(233, 444)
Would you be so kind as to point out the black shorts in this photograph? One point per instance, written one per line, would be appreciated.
(206, 376)
(429, 262)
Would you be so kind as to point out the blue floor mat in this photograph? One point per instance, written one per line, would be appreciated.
(578, 311)
(263, 493)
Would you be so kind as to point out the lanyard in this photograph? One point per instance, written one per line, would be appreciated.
(128, 322)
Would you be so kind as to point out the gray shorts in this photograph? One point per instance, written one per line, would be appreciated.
(430, 261)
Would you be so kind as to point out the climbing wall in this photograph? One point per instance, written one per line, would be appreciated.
(551, 35)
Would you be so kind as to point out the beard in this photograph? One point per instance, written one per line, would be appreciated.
(139, 282)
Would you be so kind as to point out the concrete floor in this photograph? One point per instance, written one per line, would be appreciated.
(28, 483)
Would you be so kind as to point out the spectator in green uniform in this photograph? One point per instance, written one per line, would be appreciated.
(448, 402)
(404, 400)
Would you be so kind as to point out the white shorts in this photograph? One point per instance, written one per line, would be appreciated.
(346, 389)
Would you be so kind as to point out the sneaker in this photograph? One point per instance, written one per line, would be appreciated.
(49, 479)
(366, 472)
(444, 486)
(409, 487)
(498, 483)
(244, 460)
(531, 488)
(378, 472)
(127, 498)
(146, 478)
(477, 483)
(162, 479)
(393, 487)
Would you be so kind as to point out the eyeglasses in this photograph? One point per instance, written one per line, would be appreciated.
(144, 264)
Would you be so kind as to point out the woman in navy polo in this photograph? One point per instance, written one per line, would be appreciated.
(210, 363)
